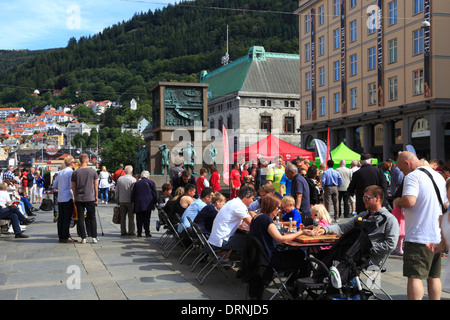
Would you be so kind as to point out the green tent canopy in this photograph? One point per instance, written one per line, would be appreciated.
(342, 152)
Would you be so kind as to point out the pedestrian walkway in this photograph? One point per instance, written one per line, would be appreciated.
(119, 268)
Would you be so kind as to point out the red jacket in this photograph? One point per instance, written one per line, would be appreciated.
(214, 181)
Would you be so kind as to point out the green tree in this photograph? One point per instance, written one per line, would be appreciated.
(121, 150)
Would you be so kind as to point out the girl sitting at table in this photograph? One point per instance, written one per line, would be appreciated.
(263, 228)
(321, 218)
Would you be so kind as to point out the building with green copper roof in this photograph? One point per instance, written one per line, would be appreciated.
(257, 94)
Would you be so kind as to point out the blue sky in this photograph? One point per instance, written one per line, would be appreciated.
(44, 24)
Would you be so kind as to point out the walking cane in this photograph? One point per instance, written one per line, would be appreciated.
(100, 221)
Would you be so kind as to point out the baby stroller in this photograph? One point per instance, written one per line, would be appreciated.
(335, 276)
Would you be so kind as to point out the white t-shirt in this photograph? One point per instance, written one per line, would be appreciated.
(422, 220)
(227, 221)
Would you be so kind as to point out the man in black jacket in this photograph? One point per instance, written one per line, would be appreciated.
(367, 175)
(182, 180)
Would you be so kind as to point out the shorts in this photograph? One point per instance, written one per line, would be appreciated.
(419, 262)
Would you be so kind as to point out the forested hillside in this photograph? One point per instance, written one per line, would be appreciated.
(127, 59)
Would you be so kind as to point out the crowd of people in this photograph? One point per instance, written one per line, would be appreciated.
(397, 193)
(409, 195)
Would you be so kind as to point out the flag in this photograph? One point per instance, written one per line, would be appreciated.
(328, 145)
(410, 148)
(226, 156)
(321, 150)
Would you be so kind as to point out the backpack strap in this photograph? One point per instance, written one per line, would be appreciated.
(435, 188)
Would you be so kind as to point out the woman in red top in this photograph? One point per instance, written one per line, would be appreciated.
(244, 172)
(214, 181)
(235, 177)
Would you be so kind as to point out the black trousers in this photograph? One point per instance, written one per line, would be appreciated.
(65, 210)
(143, 221)
(343, 196)
(86, 226)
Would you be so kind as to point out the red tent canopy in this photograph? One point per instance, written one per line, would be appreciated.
(271, 146)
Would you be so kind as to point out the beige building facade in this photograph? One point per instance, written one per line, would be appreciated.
(376, 74)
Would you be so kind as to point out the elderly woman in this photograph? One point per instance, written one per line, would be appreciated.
(104, 183)
(144, 197)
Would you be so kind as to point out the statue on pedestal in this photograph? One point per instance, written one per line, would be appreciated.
(189, 156)
(140, 159)
(165, 158)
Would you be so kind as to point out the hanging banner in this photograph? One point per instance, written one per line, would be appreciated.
(226, 156)
(380, 54)
(343, 61)
(427, 51)
(321, 148)
(313, 65)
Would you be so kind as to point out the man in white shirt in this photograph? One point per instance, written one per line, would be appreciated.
(422, 211)
(228, 220)
(63, 183)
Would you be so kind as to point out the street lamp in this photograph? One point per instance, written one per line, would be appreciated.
(425, 24)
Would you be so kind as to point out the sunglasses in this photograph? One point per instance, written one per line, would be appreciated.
(368, 197)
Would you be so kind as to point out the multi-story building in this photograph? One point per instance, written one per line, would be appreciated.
(374, 72)
(255, 95)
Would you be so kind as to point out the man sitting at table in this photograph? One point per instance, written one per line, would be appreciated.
(228, 219)
(383, 238)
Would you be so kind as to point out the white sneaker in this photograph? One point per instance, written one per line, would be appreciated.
(103, 201)
(106, 202)
(83, 240)
(95, 240)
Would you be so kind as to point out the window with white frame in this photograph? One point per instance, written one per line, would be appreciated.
(418, 82)
(418, 6)
(322, 76)
(353, 98)
(393, 12)
(372, 58)
(307, 52)
(336, 8)
(322, 106)
(308, 109)
(337, 70)
(418, 41)
(322, 45)
(353, 64)
(372, 93)
(321, 15)
(353, 31)
(308, 80)
(337, 38)
(393, 50)
(393, 88)
(337, 102)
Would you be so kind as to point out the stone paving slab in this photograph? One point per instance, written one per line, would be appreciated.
(121, 268)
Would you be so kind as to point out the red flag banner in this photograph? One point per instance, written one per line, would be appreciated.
(226, 156)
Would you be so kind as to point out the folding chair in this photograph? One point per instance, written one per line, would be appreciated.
(169, 231)
(258, 273)
(175, 238)
(373, 281)
(213, 260)
(193, 242)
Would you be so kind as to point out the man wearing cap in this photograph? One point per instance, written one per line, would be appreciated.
(367, 175)
(177, 169)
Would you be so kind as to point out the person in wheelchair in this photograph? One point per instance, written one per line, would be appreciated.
(382, 227)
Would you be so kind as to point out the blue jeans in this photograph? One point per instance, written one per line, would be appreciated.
(13, 214)
(104, 193)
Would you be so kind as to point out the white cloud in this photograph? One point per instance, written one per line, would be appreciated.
(27, 24)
